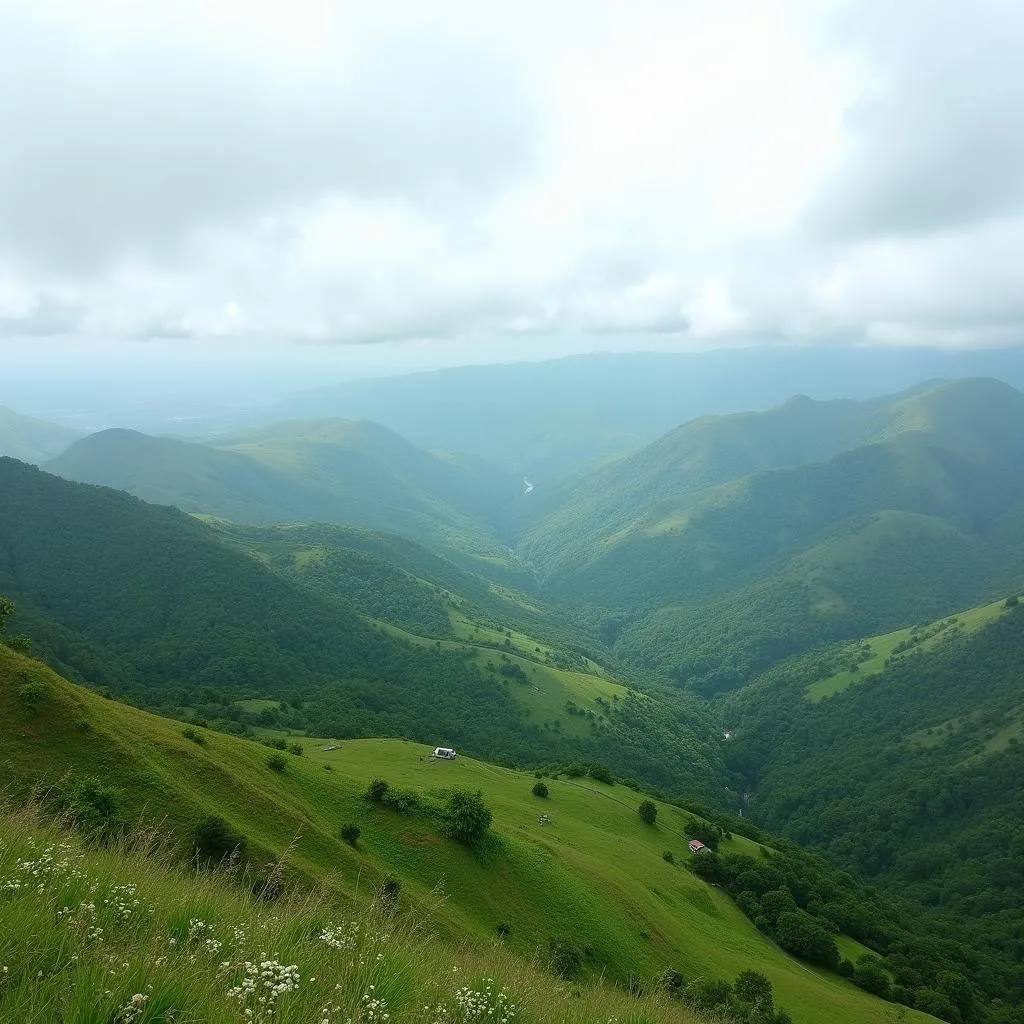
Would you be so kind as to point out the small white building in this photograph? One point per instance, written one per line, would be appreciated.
(444, 753)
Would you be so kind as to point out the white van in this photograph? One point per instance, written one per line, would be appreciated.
(445, 753)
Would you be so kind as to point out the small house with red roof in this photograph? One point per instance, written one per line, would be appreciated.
(696, 846)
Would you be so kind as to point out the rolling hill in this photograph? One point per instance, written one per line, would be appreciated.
(32, 440)
(152, 604)
(594, 871)
(317, 471)
(552, 418)
(842, 518)
(900, 755)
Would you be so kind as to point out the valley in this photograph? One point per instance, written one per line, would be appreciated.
(761, 622)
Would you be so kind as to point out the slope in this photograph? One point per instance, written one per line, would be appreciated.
(310, 472)
(30, 439)
(900, 756)
(596, 870)
(152, 604)
(919, 519)
(550, 418)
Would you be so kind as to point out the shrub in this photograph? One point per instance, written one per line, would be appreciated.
(565, 958)
(404, 801)
(870, 976)
(390, 889)
(95, 808)
(214, 841)
(20, 643)
(540, 789)
(504, 929)
(295, 748)
(1011, 602)
(648, 812)
(276, 744)
(350, 833)
(467, 818)
(669, 856)
(671, 983)
(267, 888)
(32, 695)
(602, 773)
(276, 763)
(376, 791)
(191, 734)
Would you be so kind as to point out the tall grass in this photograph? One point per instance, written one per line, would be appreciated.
(124, 935)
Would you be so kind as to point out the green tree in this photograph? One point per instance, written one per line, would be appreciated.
(648, 812)
(467, 818)
(540, 789)
(754, 988)
(870, 976)
(806, 937)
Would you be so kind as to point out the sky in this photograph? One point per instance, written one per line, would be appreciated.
(399, 184)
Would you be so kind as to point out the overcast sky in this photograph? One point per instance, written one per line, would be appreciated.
(476, 176)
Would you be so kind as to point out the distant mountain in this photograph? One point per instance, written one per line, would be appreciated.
(30, 439)
(330, 471)
(748, 536)
(550, 418)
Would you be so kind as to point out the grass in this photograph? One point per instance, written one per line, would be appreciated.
(120, 936)
(548, 689)
(595, 873)
(880, 648)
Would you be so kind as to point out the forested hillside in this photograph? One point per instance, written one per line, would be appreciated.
(901, 758)
(156, 606)
(698, 562)
(318, 471)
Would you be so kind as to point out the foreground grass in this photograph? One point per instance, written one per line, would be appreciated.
(122, 936)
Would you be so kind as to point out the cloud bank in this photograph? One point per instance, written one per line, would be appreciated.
(327, 172)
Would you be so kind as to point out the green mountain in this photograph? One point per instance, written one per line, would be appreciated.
(592, 884)
(316, 471)
(31, 439)
(157, 606)
(551, 418)
(900, 755)
(734, 542)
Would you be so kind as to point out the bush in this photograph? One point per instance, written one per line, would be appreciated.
(276, 763)
(20, 643)
(276, 744)
(648, 812)
(95, 808)
(671, 983)
(404, 801)
(191, 734)
(295, 748)
(566, 958)
(32, 695)
(870, 976)
(389, 889)
(467, 818)
(602, 773)
(504, 929)
(351, 833)
(668, 856)
(214, 841)
(376, 791)
(540, 789)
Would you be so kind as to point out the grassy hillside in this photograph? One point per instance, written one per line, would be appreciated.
(596, 870)
(317, 471)
(908, 770)
(31, 439)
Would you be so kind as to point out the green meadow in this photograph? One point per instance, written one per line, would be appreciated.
(594, 875)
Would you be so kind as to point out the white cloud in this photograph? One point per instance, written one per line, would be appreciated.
(341, 172)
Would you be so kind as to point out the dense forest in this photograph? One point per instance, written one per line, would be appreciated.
(913, 777)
